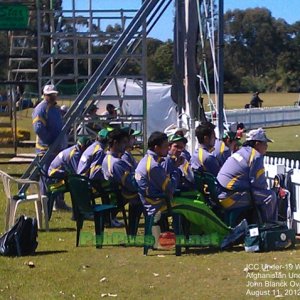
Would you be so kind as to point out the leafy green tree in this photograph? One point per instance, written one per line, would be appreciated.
(261, 52)
(160, 65)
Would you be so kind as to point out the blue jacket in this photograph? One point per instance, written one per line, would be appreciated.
(65, 162)
(186, 172)
(90, 163)
(119, 172)
(154, 182)
(203, 160)
(186, 154)
(47, 123)
(128, 157)
(243, 170)
(221, 152)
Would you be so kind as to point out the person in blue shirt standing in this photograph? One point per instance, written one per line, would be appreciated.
(203, 159)
(47, 123)
(47, 120)
(242, 178)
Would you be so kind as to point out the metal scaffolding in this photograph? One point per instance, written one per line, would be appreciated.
(64, 45)
(124, 46)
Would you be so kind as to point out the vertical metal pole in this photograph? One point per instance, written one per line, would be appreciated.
(221, 69)
(39, 49)
(75, 43)
(90, 39)
(180, 62)
(52, 47)
(144, 73)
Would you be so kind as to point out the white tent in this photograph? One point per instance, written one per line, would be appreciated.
(161, 110)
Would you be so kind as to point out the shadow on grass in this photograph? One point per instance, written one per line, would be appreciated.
(41, 253)
(66, 229)
(194, 251)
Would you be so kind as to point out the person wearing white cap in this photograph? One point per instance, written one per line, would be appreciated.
(47, 123)
(47, 120)
(242, 178)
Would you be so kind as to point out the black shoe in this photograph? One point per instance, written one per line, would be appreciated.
(63, 206)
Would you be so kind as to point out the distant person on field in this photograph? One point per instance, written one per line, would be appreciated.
(256, 101)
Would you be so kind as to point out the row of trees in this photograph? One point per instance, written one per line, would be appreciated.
(261, 53)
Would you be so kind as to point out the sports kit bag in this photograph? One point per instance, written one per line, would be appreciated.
(20, 240)
(269, 237)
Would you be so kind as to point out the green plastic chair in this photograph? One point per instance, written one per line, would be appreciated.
(177, 226)
(178, 220)
(83, 204)
(206, 184)
(53, 189)
(108, 190)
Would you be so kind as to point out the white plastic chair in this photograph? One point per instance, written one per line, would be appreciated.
(13, 200)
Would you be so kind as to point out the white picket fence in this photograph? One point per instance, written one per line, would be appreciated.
(276, 165)
(265, 117)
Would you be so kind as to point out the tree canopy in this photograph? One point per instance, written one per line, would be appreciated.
(260, 53)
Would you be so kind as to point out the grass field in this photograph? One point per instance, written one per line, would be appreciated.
(63, 271)
(270, 99)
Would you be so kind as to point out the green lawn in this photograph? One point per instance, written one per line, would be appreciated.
(270, 99)
(63, 271)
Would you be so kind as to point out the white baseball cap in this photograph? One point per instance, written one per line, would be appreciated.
(173, 129)
(49, 89)
(257, 135)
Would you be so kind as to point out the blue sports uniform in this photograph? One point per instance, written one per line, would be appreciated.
(90, 162)
(186, 154)
(243, 172)
(47, 123)
(66, 162)
(119, 172)
(221, 152)
(186, 172)
(154, 182)
(204, 160)
(128, 157)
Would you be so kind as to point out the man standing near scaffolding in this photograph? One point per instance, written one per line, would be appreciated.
(47, 123)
